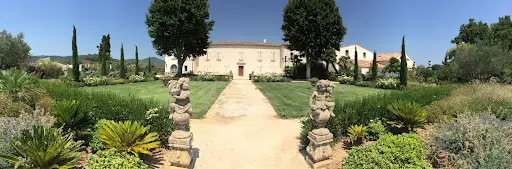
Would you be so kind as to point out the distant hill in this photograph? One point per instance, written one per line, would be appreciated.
(93, 58)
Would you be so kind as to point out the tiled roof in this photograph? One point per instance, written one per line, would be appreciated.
(386, 56)
(245, 44)
(366, 63)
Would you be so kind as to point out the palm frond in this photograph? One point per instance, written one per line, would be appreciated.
(128, 136)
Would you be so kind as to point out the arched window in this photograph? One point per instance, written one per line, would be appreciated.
(174, 69)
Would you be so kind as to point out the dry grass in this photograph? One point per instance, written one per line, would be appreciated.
(473, 98)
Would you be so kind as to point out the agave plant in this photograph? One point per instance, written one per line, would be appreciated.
(357, 133)
(128, 136)
(411, 115)
(72, 116)
(44, 148)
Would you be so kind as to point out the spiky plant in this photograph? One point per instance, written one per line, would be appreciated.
(17, 84)
(357, 133)
(44, 148)
(128, 136)
(409, 114)
(72, 116)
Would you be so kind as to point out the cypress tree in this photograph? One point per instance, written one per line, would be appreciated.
(76, 71)
(149, 64)
(103, 56)
(136, 60)
(122, 72)
(356, 68)
(374, 66)
(403, 65)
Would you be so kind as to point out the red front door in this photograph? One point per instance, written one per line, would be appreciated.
(240, 70)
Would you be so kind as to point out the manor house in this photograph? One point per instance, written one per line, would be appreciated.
(244, 58)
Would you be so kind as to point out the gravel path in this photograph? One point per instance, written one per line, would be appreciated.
(242, 131)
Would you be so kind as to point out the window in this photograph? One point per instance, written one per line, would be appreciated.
(186, 68)
(364, 55)
(219, 56)
(208, 56)
(260, 58)
(241, 56)
(346, 52)
(273, 56)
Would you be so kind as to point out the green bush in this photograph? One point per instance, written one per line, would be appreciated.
(44, 147)
(364, 84)
(136, 78)
(110, 106)
(95, 143)
(5, 102)
(357, 133)
(45, 103)
(72, 116)
(269, 78)
(390, 151)
(387, 84)
(318, 70)
(408, 114)
(49, 70)
(472, 141)
(344, 79)
(12, 126)
(375, 130)
(15, 109)
(111, 159)
(364, 109)
(95, 81)
(20, 86)
(130, 137)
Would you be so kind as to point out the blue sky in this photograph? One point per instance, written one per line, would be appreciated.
(376, 25)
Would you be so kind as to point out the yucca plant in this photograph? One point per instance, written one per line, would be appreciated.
(128, 136)
(44, 148)
(357, 133)
(17, 84)
(72, 116)
(409, 114)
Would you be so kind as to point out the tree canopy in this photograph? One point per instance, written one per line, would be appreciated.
(13, 49)
(312, 27)
(179, 28)
(472, 32)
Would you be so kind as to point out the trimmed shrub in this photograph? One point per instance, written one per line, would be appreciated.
(318, 70)
(110, 106)
(269, 78)
(136, 78)
(471, 141)
(390, 151)
(344, 79)
(111, 159)
(364, 84)
(49, 70)
(387, 84)
(364, 109)
(95, 81)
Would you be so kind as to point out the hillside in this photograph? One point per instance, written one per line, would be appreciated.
(93, 58)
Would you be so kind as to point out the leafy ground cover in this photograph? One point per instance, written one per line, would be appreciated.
(290, 100)
(203, 94)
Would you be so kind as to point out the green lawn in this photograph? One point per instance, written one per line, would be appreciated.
(291, 100)
(203, 94)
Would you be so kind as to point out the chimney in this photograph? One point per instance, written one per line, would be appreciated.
(264, 40)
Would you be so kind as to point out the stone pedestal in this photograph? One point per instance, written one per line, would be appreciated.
(180, 143)
(319, 149)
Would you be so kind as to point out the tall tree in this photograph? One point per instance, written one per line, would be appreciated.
(374, 66)
(122, 71)
(137, 60)
(502, 32)
(311, 27)
(179, 28)
(102, 53)
(149, 64)
(356, 67)
(76, 71)
(472, 32)
(13, 50)
(403, 65)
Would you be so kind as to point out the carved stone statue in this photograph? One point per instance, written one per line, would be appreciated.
(180, 111)
(322, 105)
